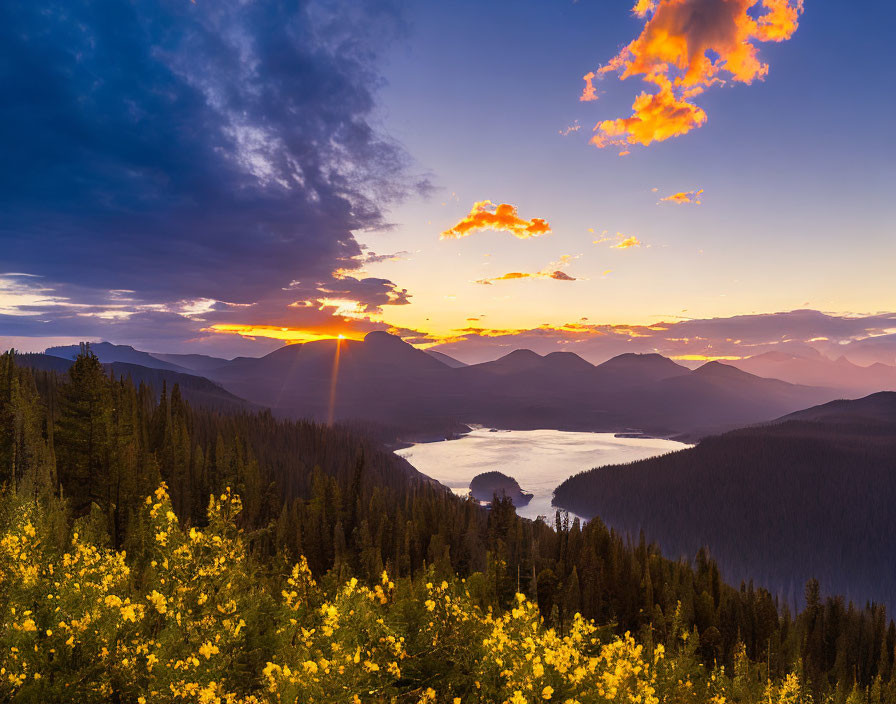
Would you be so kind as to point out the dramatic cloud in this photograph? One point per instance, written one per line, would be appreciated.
(684, 197)
(554, 271)
(318, 308)
(191, 152)
(370, 293)
(687, 46)
(657, 117)
(485, 215)
(24, 294)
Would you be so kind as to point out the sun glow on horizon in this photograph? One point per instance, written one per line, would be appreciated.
(285, 334)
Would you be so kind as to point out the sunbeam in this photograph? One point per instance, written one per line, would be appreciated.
(333, 379)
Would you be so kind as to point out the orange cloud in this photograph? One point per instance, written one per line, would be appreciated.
(657, 117)
(627, 243)
(507, 277)
(692, 197)
(485, 215)
(554, 270)
(622, 241)
(589, 92)
(286, 334)
(687, 46)
(642, 7)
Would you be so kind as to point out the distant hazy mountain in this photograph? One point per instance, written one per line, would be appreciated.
(445, 359)
(384, 380)
(717, 397)
(196, 390)
(108, 353)
(819, 370)
(809, 495)
(869, 350)
(193, 362)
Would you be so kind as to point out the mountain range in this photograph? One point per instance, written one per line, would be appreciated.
(812, 368)
(385, 381)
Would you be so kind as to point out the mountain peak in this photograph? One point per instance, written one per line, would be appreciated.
(383, 337)
(568, 360)
(98, 348)
(648, 366)
(718, 369)
(516, 361)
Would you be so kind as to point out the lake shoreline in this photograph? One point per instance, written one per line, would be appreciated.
(539, 460)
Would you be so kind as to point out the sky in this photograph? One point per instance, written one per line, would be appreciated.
(702, 178)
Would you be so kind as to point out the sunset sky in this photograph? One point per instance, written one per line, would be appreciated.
(696, 177)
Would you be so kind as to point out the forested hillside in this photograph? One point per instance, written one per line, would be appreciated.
(811, 496)
(82, 459)
(197, 390)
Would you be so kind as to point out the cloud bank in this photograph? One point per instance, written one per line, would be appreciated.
(863, 338)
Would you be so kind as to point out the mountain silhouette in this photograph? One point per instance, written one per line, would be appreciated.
(384, 380)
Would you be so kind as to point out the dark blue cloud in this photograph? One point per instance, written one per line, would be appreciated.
(220, 149)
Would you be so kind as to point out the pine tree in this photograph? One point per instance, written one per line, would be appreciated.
(82, 432)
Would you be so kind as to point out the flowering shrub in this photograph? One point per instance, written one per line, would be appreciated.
(191, 617)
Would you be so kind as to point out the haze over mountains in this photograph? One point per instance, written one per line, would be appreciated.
(812, 368)
(386, 381)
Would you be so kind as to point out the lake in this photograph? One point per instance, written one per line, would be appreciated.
(540, 460)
